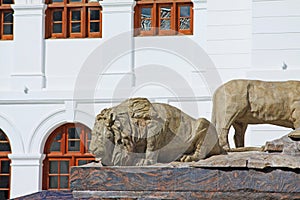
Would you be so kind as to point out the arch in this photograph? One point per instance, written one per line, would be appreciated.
(50, 123)
(5, 169)
(65, 147)
(13, 134)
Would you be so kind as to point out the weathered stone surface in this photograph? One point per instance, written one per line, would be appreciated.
(283, 152)
(271, 147)
(238, 103)
(137, 132)
(153, 195)
(257, 160)
(289, 146)
(181, 182)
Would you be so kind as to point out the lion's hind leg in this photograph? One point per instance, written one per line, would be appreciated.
(296, 121)
(239, 135)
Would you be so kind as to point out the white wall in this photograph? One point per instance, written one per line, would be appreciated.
(276, 34)
(64, 59)
(229, 36)
(6, 63)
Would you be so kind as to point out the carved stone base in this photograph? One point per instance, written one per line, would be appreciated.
(165, 182)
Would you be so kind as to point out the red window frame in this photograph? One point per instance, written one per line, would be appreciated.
(61, 138)
(156, 5)
(191, 19)
(4, 8)
(67, 6)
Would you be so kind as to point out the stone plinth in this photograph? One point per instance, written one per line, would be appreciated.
(184, 182)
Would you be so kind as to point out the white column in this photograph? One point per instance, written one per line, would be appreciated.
(118, 26)
(26, 174)
(200, 22)
(117, 17)
(28, 68)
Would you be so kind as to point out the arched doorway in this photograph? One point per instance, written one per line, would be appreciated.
(4, 166)
(67, 146)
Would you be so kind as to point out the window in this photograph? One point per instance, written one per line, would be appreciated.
(4, 166)
(6, 20)
(67, 146)
(73, 19)
(163, 17)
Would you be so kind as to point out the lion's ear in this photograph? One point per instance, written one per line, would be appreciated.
(139, 108)
(103, 114)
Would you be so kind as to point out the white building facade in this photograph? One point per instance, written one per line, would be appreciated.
(64, 61)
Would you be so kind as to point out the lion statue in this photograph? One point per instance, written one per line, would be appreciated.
(138, 132)
(238, 103)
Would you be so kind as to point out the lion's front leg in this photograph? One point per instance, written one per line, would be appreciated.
(190, 158)
(196, 156)
(150, 159)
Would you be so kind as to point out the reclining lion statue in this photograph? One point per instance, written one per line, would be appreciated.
(138, 132)
(238, 103)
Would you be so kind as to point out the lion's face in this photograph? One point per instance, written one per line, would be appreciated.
(102, 143)
(119, 133)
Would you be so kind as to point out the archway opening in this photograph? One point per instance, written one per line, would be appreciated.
(5, 171)
(66, 146)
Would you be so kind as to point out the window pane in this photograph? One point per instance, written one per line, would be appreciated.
(8, 17)
(64, 182)
(165, 24)
(185, 11)
(89, 135)
(4, 181)
(82, 162)
(53, 182)
(2, 136)
(57, 28)
(184, 24)
(74, 145)
(94, 14)
(53, 167)
(55, 147)
(5, 166)
(7, 1)
(94, 27)
(76, 15)
(74, 133)
(88, 146)
(57, 16)
(165, 15)
(8, 29)
(64, 167)
(3, 194)
(146, 25)
(165, 12)
(5, 147)
(146, 19)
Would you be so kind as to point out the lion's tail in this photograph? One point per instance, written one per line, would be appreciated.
(213, 115)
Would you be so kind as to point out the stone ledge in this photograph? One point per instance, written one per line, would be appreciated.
(152, 195)
(153, 182)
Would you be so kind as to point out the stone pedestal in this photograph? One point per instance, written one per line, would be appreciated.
(183, 182)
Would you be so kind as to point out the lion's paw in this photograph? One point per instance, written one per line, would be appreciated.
(187, 158)
(143, 162)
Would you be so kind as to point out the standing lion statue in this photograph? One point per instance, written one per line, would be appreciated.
(238, 103)
(137, 132)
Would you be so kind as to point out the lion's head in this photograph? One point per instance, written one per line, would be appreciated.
(103, 140)
(119, 136)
